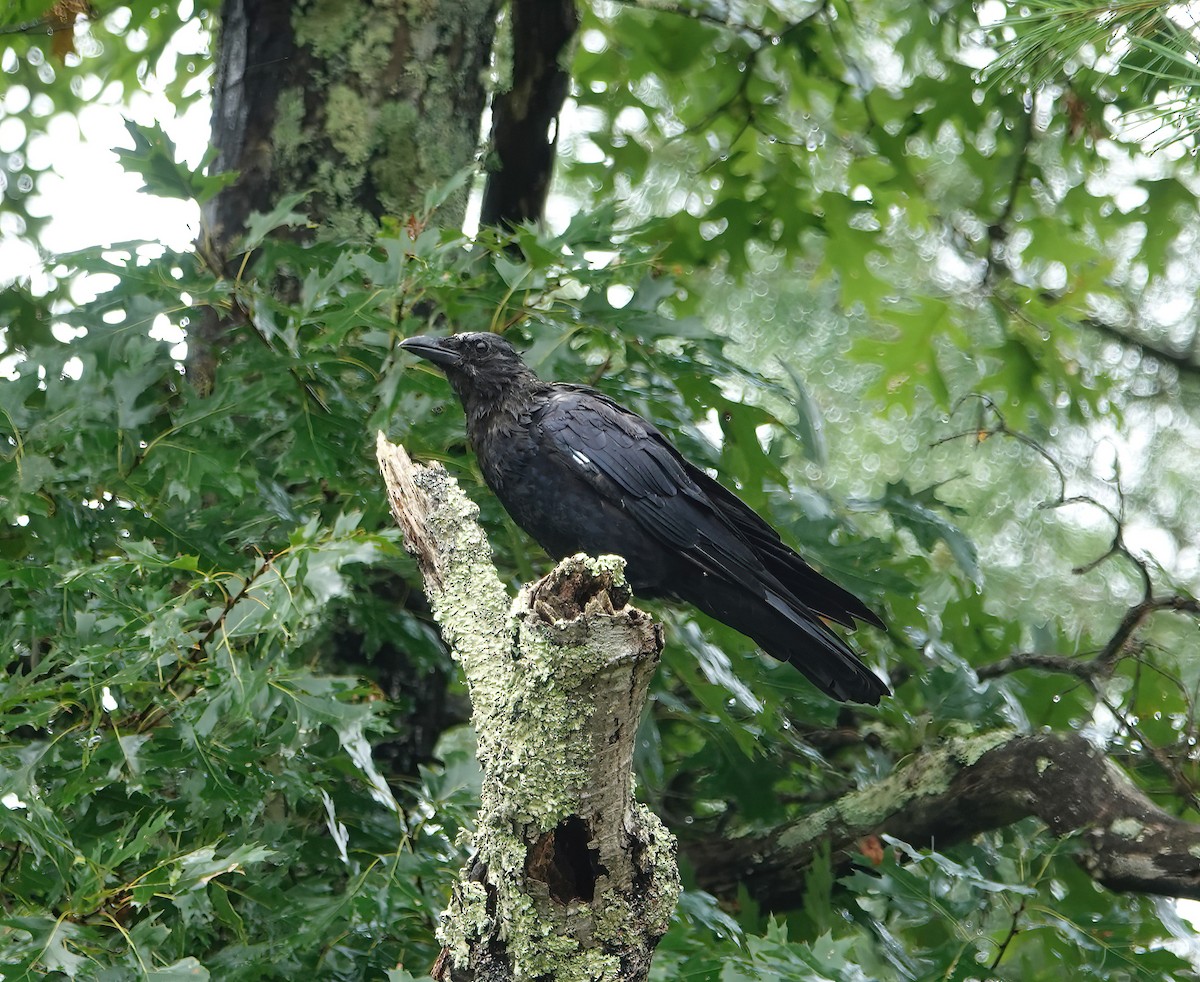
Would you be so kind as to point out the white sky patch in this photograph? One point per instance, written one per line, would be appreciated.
(12, 802)
(619, 295)
(87, 195)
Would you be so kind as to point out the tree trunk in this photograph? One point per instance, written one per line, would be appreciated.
(572, 878)
(525, 115)
(366, 107)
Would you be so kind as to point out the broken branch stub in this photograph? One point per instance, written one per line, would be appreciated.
(573, 878)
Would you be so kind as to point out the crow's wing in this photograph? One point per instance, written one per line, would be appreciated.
(627, 460)
(681, 506)
(823, 595)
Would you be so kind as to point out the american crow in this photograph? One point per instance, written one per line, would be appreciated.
(580, 473)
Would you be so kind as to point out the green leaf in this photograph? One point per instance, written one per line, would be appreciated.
(915, 511)
(185, 970)
(438, 195)
(283, 215)
(154, 158)
(809, 426)
(22, 12)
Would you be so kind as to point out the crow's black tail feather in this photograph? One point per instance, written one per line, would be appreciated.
(784, 629)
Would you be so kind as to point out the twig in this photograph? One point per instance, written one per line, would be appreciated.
(1117, 546)
(1133, 618)
(1182, 786)
(1001, 428)
(1012, 933)
(997, 231)
(1084, 669)
(1104, 663)
(151, 715)
(26, 28)
(725, 105)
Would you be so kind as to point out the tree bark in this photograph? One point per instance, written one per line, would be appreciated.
(364, 106)
(969, 786)
(572, 879)
(525, 115)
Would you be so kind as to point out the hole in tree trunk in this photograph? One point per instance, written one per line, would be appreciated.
(563, 861)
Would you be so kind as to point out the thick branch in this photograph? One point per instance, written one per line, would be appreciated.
(970, 786)
(572, 879)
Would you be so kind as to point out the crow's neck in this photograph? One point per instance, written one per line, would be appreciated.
(498, 429)
(499, 405)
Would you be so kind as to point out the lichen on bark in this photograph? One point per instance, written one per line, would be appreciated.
(573, 880)
(390, 101)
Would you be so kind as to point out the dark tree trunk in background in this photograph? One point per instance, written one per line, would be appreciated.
(525, 116)
(255, 53)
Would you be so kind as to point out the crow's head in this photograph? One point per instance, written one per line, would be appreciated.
(478, 364)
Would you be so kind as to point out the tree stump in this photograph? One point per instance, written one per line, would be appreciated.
(573, 879)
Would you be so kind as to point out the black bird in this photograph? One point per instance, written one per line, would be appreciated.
(580, 473)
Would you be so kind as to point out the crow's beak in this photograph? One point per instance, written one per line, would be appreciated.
(432, 349)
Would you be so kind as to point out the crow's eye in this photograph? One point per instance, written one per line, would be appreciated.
(481, 347)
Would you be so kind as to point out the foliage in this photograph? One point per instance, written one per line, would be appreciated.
(124, 47)
(1138, 57)
(903, 311)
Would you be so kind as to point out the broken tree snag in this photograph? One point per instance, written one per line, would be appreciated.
(572, 879)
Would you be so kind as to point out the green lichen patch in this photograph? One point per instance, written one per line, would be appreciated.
(390, 108)
(929, 775)
(611, 568)
(968, 751)
(466, 920)
(1127, 828)
(328, 27)
(350, 124)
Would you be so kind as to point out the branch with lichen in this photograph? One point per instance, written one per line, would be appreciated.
(572, 880)
(965, 787)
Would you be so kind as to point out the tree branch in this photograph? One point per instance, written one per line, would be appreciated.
(572, 878)
(966, 787)
(1182, 360)
(1103, 664)
(997, 232)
